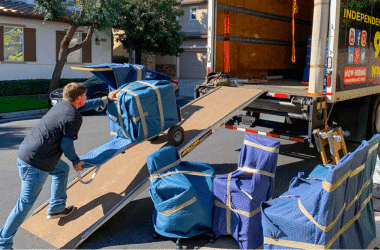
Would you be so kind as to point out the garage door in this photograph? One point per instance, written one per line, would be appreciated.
(192, 64)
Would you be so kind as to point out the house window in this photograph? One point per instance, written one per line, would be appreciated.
(75, 56)
(193, 13)
(13, 44)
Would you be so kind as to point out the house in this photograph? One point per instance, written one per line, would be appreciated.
(192, 62)
(29, 46)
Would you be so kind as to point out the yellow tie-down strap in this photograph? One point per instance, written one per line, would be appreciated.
(252, 144)
(252, 170)
(178, 208)
(139, 72)
(156, 175)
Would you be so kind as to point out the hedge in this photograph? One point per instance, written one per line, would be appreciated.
(31, 87)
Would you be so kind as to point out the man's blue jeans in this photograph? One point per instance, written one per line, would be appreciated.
(32, 180)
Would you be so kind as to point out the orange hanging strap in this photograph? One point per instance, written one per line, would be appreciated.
(295, 10)
(226, 42)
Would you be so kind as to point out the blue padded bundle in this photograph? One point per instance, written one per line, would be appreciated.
(238, 195)
(367, 217)
(120, 74)
(332, 208)
(181, 192)
(137, 112)
(105, 152)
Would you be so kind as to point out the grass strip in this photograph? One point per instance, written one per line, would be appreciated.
(22, 103)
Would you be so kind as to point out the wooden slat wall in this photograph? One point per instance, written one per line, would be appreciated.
(276, 7)
(250, 60)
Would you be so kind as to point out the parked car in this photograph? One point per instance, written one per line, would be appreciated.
(96, 88)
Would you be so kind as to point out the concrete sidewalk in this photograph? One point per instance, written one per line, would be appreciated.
(22, 115)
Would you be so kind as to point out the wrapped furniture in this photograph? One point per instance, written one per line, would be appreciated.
(332, 208)
(238, 195)
(143, 110)
(181, 192)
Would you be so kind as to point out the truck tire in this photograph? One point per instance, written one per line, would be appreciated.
(375, 116)
(176, 135)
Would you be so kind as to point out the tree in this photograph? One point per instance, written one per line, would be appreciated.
(151, 26)
(94, 14)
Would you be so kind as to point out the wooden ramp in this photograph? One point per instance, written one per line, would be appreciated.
(125, 176)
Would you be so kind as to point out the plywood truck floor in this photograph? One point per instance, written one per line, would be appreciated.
(124, 172)
(290, 87)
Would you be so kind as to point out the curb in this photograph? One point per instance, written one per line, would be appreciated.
(22, 114)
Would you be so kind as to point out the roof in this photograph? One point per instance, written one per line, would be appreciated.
(16, 8)
(185, 2)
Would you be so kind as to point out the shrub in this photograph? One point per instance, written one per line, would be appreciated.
(31, 87)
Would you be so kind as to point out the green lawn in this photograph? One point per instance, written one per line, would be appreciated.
(24, 102)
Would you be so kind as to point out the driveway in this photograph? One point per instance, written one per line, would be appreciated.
(187, 86)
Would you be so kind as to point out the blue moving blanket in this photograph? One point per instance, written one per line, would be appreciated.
(120, 74)
(181, 192)
(105, 152)
(238, 195)
(332, 208)
(144, 109)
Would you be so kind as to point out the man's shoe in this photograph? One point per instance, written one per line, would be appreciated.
(68, 210)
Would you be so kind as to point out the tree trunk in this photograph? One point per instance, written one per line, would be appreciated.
(64, 50)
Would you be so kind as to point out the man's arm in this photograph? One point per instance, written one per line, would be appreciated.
(94, 103)
(67, 146)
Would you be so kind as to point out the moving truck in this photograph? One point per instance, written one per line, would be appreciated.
(317, 61)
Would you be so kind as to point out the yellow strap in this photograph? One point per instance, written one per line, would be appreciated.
(155, 174)
(357, 170)
(141, 111)
(331, 187)
(181, 172)
(228, 211)
(373, 148)
(252, 170)
(176, 209)
(135, 119)
(252, 144)
(244, 213)
(291, 244)
(113, 133)
(311, 218)
(359, 193)
(159, 103)
(139, 72)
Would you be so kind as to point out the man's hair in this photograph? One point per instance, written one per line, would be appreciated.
(72, 90)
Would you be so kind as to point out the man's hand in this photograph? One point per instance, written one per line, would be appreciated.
(112, 95)
(78, 167)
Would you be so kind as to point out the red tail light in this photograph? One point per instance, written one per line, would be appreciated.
(174, 79)
(328, 81)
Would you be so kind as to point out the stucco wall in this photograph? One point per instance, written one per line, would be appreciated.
(46, 52)
(199, 25)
